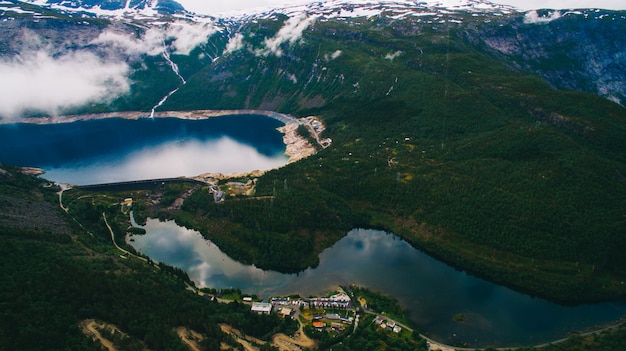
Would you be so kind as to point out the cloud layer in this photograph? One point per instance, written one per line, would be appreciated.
(38, 81)
(50, 77)
(182, 37)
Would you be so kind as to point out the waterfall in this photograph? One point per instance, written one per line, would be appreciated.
(174, 66)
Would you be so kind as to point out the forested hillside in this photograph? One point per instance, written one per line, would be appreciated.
(486, 167)
(472, 131)
(57, 274)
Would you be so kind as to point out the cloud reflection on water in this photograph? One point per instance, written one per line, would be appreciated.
(433, 292)
(172, 159)
(204, 262)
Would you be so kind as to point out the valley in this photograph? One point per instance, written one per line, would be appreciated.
(489, 138)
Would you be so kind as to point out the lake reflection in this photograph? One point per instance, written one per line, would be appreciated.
(203, 261)
(169, 160)
(432, 291)
(115, 149)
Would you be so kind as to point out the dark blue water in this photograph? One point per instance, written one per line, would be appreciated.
(115, 149)
(433, 292)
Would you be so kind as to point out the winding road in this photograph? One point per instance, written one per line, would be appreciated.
(117, 246)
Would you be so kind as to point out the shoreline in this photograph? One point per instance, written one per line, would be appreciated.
(296, 147)
(135, 115)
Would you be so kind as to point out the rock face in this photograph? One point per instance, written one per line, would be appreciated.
(573, 50)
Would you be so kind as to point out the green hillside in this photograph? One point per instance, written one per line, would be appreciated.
(57, 273)
(483, 166)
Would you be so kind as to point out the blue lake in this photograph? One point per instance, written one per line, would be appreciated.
(115, 149)
(433, 292)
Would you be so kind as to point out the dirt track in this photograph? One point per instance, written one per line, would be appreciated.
(190, 338)
(244, 340)
(90, 328)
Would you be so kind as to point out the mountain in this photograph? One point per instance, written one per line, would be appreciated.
(491, 138)
(109, 7)
(570, 49)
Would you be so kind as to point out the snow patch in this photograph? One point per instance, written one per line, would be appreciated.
(392, 55)
(14, 9)
(333, 56)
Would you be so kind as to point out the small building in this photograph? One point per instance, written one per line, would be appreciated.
(341, 297)
(337, 326)
(318, 324)
(285, 312)
(247, 299)
(397, 329)
(333, 316)
(219, 196)
(261, 307)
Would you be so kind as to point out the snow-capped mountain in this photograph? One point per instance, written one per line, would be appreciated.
(337, 9)
(328, 9)
(114, 7)
(152, 49)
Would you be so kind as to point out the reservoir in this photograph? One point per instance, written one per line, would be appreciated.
(115, 149)
(433, 292)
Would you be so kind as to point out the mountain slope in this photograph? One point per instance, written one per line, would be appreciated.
(481, 165)
(572, 50)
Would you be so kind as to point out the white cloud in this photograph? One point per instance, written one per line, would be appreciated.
(187, 36)
(184, 36)
(290, 33)
(234, 43)
(150, 43)
(534, 17)
(39, 81)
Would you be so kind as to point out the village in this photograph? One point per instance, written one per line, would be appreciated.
(335, 314)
